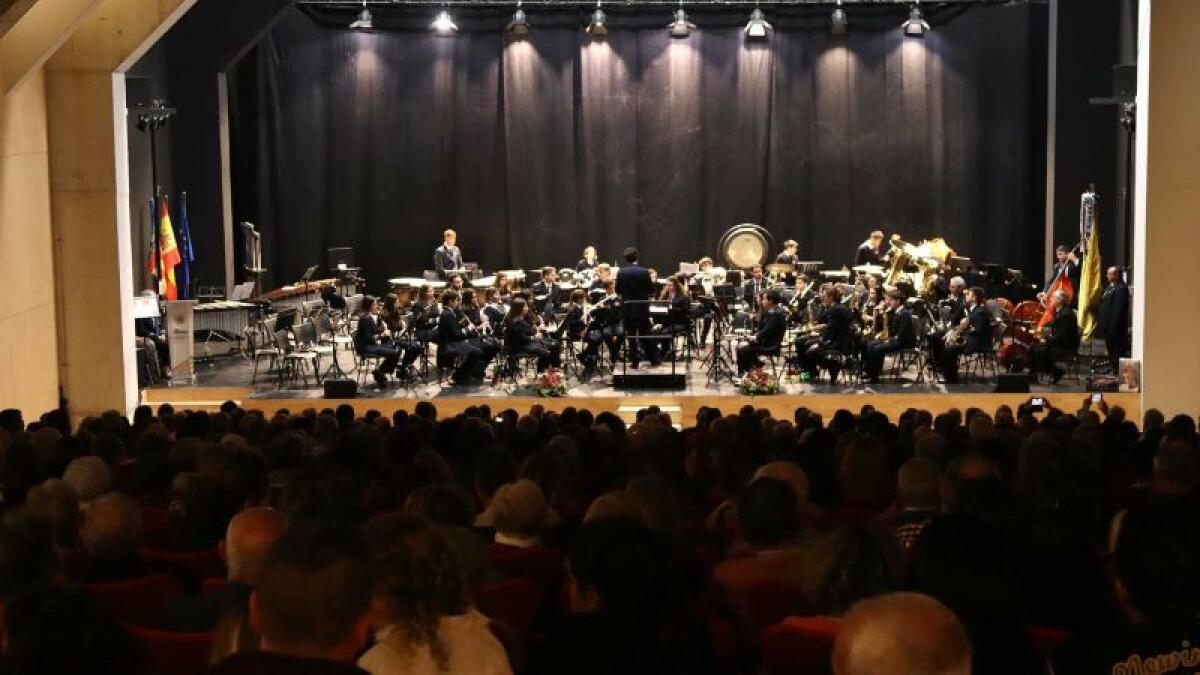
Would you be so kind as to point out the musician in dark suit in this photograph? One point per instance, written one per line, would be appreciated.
(635, 287)
(835, 336)
(801, 300)
(789, 255)
(769, 336)
(1112, 316)
(368, 340)
(521, 338)
(603, 327)
(870, 252)
(589, 259)
(1065, 262)
(976, 330)
(447, 256)
(493, 309)
(678, 320)
(548, 290)
(901, 335)
(455, 344)
(753, 287)
(1060, 339)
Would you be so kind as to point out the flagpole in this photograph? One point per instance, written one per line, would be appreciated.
(150, 118)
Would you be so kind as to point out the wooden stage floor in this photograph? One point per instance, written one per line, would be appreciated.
(682, 407)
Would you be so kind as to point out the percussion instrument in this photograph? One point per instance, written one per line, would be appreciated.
(746, 245)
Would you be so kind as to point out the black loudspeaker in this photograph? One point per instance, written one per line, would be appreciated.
(1012, 383)
(650, 381)
(340, 388)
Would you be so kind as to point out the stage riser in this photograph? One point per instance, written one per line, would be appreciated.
(782, 407)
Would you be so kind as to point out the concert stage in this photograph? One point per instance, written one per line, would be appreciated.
(228, 379)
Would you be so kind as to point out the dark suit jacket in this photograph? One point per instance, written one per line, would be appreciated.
(867, 255)
(750, 292)
(1112, 316)
(770, 333)
(553, 294)
(366, 335)
(447, 258)
(1062, 333)
(572, 325)
(633, 284)
(901, 331)
(785, 259)
(837, 318)
(979, 331)
(448, 329)
(517, 335)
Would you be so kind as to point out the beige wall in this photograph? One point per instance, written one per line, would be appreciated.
(28, 353)
(1167, 214)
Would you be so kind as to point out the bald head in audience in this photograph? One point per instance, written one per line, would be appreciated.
(248, 539)
(901, 634)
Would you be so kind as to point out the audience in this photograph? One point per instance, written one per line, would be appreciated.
(407, 544)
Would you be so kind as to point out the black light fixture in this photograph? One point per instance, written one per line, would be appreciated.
(680, 27)
(520, 23)
(364, 21)
(444, 25)
(838, 21)
(598, 26)
(757, 27)
(915, 26)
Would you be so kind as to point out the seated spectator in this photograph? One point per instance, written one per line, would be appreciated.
(1157, 566)
(111, 536)
(627, 613)
(311, 605)
(65, 631)
(964, 564)
(901, 634)
(768, 513)
(845, 566)
(917, 501)
(520, 515)
(247, 542)
(56, 502)
(90, 477)
(423, 621)
(452, 515)
(615, 504)
(27, 555)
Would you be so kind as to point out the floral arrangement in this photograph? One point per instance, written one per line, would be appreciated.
(758, 382)
(552, 382)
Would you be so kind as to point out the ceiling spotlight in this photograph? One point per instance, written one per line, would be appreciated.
(838, 21)
(916, 26)
(364, 21)
(680, 27)
(598, 26)
(443, 24)
(757, 27)
(519, 24)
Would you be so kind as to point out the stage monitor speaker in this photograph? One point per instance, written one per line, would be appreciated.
(340, 388)
(1012, 383)
(650, 381)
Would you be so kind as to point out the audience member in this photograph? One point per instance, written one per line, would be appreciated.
(901, 634)
(111, 536)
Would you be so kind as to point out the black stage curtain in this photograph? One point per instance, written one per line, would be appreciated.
(532, 148)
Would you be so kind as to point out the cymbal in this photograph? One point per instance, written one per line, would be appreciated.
(868, 269)
(780, 268)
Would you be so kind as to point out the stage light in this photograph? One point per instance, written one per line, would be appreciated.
(838, 21)
(681, 27)
(443, 24)
(598, 26)
(520, 23)
(364, 21)
(757, 27)
(916, 26)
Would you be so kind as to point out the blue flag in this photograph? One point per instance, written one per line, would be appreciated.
(186, 253)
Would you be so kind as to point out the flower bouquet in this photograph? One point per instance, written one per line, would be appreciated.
(552, 382)
(758, 382)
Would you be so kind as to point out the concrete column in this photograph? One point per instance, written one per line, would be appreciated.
(85, 101)
(1166, 316)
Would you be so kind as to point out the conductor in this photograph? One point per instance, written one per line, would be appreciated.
(447, 256)
(635, 288)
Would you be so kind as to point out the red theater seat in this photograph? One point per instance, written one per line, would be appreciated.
(138, 601)
(770, 603)
(515, 602)
(190, 567)
(800, 645)
(212, 585)
(1046, 641)
(175, 653)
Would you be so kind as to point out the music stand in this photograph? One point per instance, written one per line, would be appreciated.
(307, 277)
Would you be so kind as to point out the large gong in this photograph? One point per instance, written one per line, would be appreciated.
(746, 245)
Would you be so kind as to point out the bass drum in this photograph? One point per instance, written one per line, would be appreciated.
(746, 245)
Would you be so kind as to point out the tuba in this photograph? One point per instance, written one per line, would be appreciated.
(955, 337)
(900, 259)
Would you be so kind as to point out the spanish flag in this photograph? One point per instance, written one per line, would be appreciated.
(1090, 286)
(169, 253)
